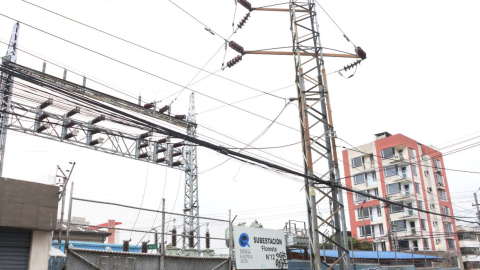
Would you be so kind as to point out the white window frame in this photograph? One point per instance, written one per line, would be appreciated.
(442, 194)
(383, 155)
(357, 165)
(391, 173)
(437, 164)
(355, 179)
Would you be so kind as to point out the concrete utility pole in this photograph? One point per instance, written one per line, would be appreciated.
(62, 196)
(363, 219)
(477, 205)
(6, 84)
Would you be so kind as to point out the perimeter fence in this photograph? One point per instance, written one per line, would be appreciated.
(104, 235)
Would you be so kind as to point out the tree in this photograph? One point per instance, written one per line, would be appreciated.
(357, 244)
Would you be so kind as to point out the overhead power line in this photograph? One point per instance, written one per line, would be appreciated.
(148, 73)
(140, 122)
(150, 50)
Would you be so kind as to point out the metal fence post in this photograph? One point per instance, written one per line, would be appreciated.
(230, 239)
(425, 256)
(353, 254)
(413, 261)
(162, 258)
(67, 242)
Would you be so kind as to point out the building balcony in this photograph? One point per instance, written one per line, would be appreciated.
(409, 214)
(409, 234)
(404, 196)
(440, 185)
(447, 219)
(449, 234)
(399, 160)
(379, 237)
(402, 179)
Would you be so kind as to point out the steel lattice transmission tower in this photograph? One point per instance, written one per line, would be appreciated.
(191, 223)
(6, 94)
(314, 111)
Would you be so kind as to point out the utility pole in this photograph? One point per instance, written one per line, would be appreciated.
(6, 84)
(191, 222)
(363, 219)
(312, 93)
(477, 205)
(314, 110)
(62, 197)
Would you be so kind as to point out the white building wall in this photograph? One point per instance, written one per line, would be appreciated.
(39, 250)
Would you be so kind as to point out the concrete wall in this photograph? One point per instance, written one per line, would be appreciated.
(39, 250)
(28, 205)
(95, 259)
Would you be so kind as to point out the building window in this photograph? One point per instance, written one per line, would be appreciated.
(360, 197)
(437, 241)
(405, 172)
(403, 244)
(414, 169)
(439, 179)
(434, 224)
(387, 153)
(470, 250)
(400, 225)
(442, 195)
(390, 170)
(379, 211)
(420, 205)
(425, 243)
(466, 236)
(412, 153)
(396, 208)
(372, 160)
(432, 206)
(423, 222)
(417, 188)
(366, 213)
(448, 229)
(429, 189)
(371, 176)
(369, 230)
(437, 164)
(357, 162)
(445, 210)
(359, 178)
(393, 188)
(451, 244)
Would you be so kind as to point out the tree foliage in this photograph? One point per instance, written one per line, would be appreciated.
(357, 244)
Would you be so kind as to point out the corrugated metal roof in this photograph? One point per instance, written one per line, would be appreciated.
(387, 255)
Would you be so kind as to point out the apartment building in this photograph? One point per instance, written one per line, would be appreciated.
(411, 174)
(469, 238)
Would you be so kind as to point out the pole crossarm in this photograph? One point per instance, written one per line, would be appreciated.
(341, 55)
(47, 81)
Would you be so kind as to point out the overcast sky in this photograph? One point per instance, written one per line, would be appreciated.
(419, 79)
